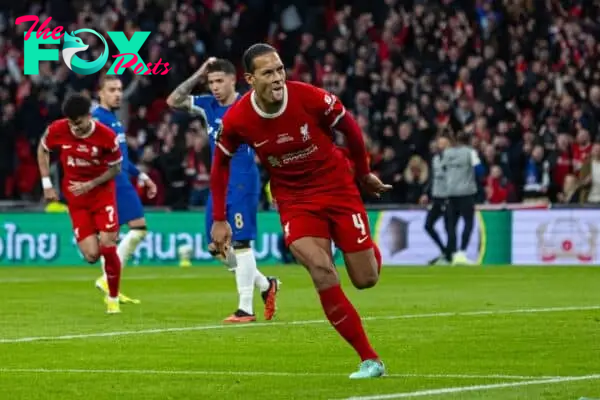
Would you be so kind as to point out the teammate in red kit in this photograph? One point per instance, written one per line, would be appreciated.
(289, 124)
(90, 158)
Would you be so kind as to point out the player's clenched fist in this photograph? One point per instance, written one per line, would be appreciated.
(151, 189)
(372, 185)
(221, 235)
(50, 194)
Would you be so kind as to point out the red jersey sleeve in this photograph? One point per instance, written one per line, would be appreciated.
(111, 153)
(326, 106)
(50, 139)
(227, 139)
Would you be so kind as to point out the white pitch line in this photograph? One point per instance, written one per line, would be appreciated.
(475, 388)
(92, 278)
(255, 373)
(290, 323)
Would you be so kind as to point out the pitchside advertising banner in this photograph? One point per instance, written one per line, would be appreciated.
(40, 239)
(556, 237)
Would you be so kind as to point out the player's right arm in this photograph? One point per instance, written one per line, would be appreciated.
(227, 141)
(180, 97)
(43, 158)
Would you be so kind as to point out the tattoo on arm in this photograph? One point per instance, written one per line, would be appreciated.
(179, 97)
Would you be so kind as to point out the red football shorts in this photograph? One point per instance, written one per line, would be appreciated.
(342, 219)
(98, 215)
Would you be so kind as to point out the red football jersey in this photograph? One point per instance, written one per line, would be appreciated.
(83, 158)
(295, 144)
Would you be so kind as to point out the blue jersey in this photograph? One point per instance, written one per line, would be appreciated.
(129, 205)
(243, 192)
(109, 119)
(244, 173)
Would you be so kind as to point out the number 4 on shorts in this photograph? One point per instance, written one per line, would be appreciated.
(360, 225)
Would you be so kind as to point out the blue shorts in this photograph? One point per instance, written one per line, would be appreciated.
(241, 215)
(129, 205)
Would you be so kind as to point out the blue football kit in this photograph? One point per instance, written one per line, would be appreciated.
(129, 205)
(243, 192)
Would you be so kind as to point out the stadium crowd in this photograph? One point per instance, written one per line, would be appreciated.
(523, 76)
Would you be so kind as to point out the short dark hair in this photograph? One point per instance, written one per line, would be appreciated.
(256, 50)
(76, 106)
(105, 78)
(221, 65)
(463, 137)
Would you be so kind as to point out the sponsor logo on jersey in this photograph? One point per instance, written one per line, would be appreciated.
(78, 162)
(299, 155)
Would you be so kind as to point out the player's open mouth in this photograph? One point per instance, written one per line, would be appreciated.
(277, 93)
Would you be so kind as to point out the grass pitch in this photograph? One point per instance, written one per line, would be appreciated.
(444, 333)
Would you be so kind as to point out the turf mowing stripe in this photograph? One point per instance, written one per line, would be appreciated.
(475, 388)
(257, 373)
(290, 323)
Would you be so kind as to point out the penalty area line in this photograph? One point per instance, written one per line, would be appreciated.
(290, 323)
(256, 373)
(474, 388)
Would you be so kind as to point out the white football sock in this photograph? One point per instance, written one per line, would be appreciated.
(244, 279)
(129, 243)
(260, 281)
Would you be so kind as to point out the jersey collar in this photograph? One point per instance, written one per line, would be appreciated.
(267, 115)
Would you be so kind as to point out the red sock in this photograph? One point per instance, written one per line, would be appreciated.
(344, 318)
(377, 257)
(112, 267)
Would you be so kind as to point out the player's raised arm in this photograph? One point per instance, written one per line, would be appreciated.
(333, 114)
(180, 97)
(43, 158)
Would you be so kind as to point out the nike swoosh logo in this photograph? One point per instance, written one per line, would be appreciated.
(108, 226)
(362, 239)
(66, 147)
(261, 143)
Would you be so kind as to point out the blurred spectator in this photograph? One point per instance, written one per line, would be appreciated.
(198, 170)
(590, 176)
(537, 177)
(497, 188)
(571, 193)
(415, 178)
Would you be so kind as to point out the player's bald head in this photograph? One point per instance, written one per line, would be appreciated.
(253, 52)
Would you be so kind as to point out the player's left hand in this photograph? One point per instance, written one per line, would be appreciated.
(373, 185)
(221, 236)
(151, 189)
(79, 188)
